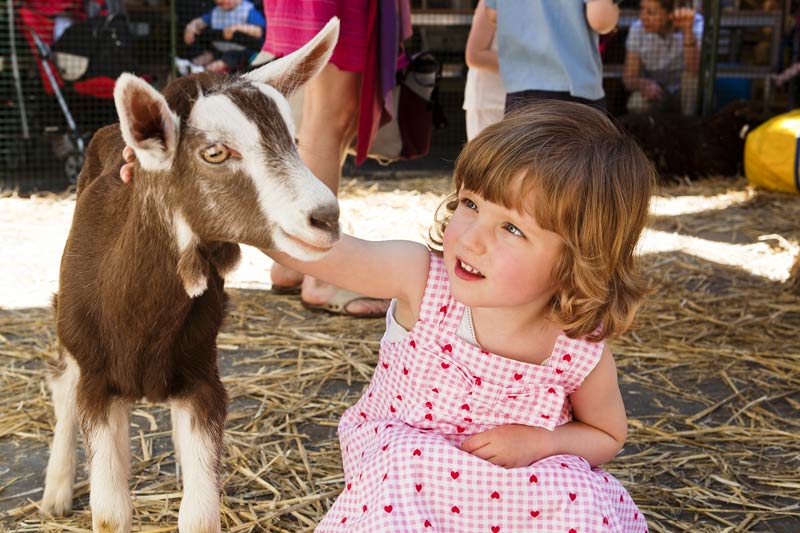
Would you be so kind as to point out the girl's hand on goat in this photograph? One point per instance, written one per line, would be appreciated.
(126, 170)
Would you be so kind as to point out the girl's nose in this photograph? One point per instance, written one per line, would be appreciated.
(474, 237)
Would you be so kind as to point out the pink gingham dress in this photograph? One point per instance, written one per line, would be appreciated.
(404, 470)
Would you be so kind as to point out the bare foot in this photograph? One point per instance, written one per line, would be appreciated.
(317, 294)
(285, 277)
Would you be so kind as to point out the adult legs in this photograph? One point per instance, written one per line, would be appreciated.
(330, 122)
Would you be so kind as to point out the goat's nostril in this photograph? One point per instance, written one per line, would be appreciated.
(325, 218)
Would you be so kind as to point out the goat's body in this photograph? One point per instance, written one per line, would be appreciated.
(141, 295)
(123, 312)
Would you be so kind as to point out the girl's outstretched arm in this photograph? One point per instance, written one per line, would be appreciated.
(379, 269)
(597, 432)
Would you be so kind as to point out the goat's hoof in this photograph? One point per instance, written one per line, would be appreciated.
(58, 502)
(101, 525)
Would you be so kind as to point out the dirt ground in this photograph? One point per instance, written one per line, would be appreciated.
(710, 375)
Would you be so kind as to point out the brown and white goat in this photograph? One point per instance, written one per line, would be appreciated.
(141, 295)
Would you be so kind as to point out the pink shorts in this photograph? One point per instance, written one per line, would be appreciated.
(292, 23)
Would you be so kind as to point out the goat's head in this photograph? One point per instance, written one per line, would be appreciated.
(222, 155)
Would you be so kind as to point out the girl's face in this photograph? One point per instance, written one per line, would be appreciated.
(499, 257)
(654, 17)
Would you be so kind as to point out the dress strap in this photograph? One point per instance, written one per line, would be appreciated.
(575, 359)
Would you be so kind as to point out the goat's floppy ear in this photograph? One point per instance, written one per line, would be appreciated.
(146, 122)
(290, 72)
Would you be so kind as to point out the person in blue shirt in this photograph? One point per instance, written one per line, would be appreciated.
(230, 16)
(549, 49)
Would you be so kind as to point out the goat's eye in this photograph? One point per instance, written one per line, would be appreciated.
(216, 153)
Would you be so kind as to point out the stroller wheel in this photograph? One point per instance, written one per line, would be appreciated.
(72, 167)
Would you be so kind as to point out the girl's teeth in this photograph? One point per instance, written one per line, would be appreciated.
(469, 268)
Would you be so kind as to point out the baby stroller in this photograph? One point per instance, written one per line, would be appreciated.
(78, 71)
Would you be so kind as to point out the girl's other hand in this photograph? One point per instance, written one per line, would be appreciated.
(511, 446)
(126, 171)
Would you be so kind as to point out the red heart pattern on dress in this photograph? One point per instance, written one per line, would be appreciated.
(445, 366)
(454, 474)
(418, 486)
(478, 381)
(443, 309)
(551, 390)
(388, 508)
(567, 357)
(495, 495)
(412, 343)
(447, 348)
(533, 479)
(344, 519)
(534, 514)
(517, 376)
(572, 496)
(417, 452)
(495, 529)
(455, 509)
(427, 523)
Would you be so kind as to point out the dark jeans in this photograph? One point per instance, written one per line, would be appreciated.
(521, 98)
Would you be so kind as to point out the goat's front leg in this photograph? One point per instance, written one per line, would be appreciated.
(107, 435)
(199, 421)
(57, 498)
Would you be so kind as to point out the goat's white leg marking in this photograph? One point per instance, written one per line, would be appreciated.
(60, 476)
(109, 467)
(174, 414)
(199, 455)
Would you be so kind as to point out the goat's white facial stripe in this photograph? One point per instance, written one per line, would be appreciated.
(286, 201)
(283, 106)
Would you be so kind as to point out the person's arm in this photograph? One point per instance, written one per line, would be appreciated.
(192, 29)
(253, 26)
(378, 269)
(248, 29)
(597, 432)
(683, 19)
(479, 53)
(602, 15)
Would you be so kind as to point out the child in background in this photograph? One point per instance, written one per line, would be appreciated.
(548, 49)
(662, 58)
(230, 16)
(496, 395)
(484, 94)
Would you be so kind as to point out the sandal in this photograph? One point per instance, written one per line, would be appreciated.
(337, 305)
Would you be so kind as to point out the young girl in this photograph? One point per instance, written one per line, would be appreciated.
(496, 396)
(662, 58)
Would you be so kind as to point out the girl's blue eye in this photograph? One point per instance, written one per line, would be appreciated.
(469, 203)
(514, 230)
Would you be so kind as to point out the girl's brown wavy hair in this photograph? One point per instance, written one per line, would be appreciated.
(570, 167)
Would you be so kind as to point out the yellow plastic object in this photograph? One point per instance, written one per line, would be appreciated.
(772, 153)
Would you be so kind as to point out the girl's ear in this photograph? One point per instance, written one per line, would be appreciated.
(146, 122)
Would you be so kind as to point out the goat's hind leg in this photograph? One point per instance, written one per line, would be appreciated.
(199, 421)
(60, 476)
(107, 435)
